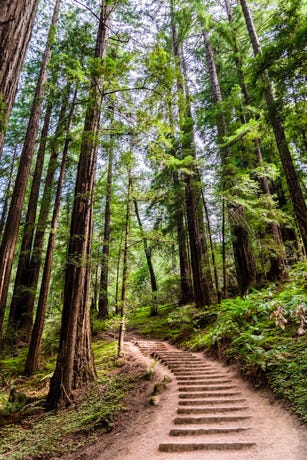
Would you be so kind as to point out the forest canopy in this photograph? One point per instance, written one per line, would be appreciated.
(152, 152)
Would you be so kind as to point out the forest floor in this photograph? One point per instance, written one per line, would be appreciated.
(142, 426)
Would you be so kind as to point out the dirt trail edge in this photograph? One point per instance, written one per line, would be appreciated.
(206, 411)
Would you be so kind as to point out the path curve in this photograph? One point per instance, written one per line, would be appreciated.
(207, 411)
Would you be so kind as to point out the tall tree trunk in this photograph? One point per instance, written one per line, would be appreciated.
(7, 193)
(244, 257)
(103, 291)
(200, 271)
(216, 278)
(122, 326)
(32, 362)
(225, 280)
(117, 275)
(147, 250)
(21, 278)
(186, 290)
(64, 381)
(190, 149)
(277, 257)
(24, 301)
(16, 23)
(9, 240)
(200, 287)
(274, 113)
(84, 367)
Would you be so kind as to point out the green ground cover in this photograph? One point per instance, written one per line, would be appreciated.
(41, 435)
(264, 333)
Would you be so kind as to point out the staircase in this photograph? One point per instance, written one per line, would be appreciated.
(212, 414)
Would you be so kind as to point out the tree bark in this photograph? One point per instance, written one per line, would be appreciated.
(7, 193)
(9, 240)
(117, 275)
(21, 278)
(32, 362)
(103, 304)
(64, 381)
(147, 250)
(122, 326)
(84, 367)
(274, 113)
(216, 278)
(244, 257)
(186, 289)
(277, 256)
(198, 251)
(24, 301)
(16, 23)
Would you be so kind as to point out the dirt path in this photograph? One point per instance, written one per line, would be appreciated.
(206, 411)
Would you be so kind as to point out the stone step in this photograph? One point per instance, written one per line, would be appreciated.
(196, 377)
(187, 359)
(179, 369)
(180, 357)
(189, 447)
(206, 388)
(209, 394)
(190, 367)
(188, 364)
(208, 402)
(206, 431)
(208, 410)
(190, 372)
(202, 381)
(175, 358)
(210, 419)
(182, 363)
(176, 354)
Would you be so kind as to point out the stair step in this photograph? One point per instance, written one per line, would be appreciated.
(187, 372)
(182, 366)
(210, 419)
(205, 402)
(202, 370)
(204, 382)
(206, 431)
(200, 376)
(183, 359)
(206, 388)
(208, 394)
(207, 410)
(188, 447)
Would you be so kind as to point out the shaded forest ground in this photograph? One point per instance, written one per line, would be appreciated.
(261, 334)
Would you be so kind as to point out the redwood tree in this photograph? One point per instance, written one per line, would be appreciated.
(21, 314)
(103, 305)
(32, 362)
(9, 239)
(16, 23)
(244, 257)
(75, 356)
(202, 281)
(275, 117)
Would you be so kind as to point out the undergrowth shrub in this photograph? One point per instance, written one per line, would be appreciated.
(51, 336)
(265, 334)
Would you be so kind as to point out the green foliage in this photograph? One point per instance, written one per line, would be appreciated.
(263, 332)
(95, 410)
(51, 334)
